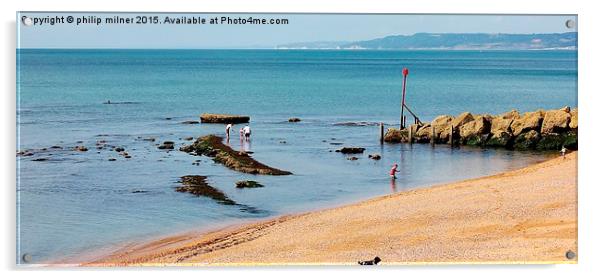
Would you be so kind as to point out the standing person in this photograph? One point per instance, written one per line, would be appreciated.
(241, 133)
(393, 171)
(247, 131)
(228, 127)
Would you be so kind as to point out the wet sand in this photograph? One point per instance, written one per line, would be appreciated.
(522, 216)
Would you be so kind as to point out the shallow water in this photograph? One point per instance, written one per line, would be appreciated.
(79, 201)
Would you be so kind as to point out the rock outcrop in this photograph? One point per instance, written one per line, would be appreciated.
(539, 130)
(212, 146)
(224, 118)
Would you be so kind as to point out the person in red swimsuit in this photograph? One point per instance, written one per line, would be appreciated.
(393, 171)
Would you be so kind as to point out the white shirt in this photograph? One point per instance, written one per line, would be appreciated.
(247, 129)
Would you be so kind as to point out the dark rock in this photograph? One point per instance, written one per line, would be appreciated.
(149, 139)
(374, 156)
(119, 149)
(112, 159)
(188, 138)
(294, 119)
(500, 139)
(190, 122)
(336, 143)
(40, 159)
(553, 141)
(127, 156)
(527, 140)
(55, 147)
(351, 150)
(248, 184)
(353, 158)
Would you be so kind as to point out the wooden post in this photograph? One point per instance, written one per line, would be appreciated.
(382, 133)
(410, 134)
(404, 121)
(405, 73)
(432, 134)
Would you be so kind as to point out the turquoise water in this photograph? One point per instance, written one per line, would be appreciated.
(76, 202)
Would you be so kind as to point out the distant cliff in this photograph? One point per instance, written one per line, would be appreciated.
(453, 41)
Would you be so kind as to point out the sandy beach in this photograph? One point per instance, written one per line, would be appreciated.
(527, 215)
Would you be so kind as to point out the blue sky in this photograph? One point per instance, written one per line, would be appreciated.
(301, 28)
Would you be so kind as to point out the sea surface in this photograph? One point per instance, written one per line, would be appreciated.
(72, 203)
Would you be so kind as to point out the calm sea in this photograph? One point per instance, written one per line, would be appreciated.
(76, 202)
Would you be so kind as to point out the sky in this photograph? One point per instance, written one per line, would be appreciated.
(300, 28)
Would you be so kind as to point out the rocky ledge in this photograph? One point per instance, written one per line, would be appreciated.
(212, 146)
(539, 130)
(224, 118)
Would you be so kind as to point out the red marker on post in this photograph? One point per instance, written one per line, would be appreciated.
(405, 73)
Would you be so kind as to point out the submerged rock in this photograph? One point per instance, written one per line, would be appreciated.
(294, 119)
(190, 122)
(198, 186)
(352, 158)
(167, 145)
(248, 184)
(212, 146)
(351, 150)
(224, 118)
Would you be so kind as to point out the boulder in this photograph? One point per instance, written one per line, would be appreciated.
(423, 134)
(462, 119)
(500, 124)
(394, 135)
(573, 123)
(224, 118)
(527, 140)
(475, 130)
(441, 124)
(294, 119)
(513, 114)
(499, 139)
(555, 121)
(529, 121)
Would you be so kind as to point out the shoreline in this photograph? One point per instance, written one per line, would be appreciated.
(501, 218)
